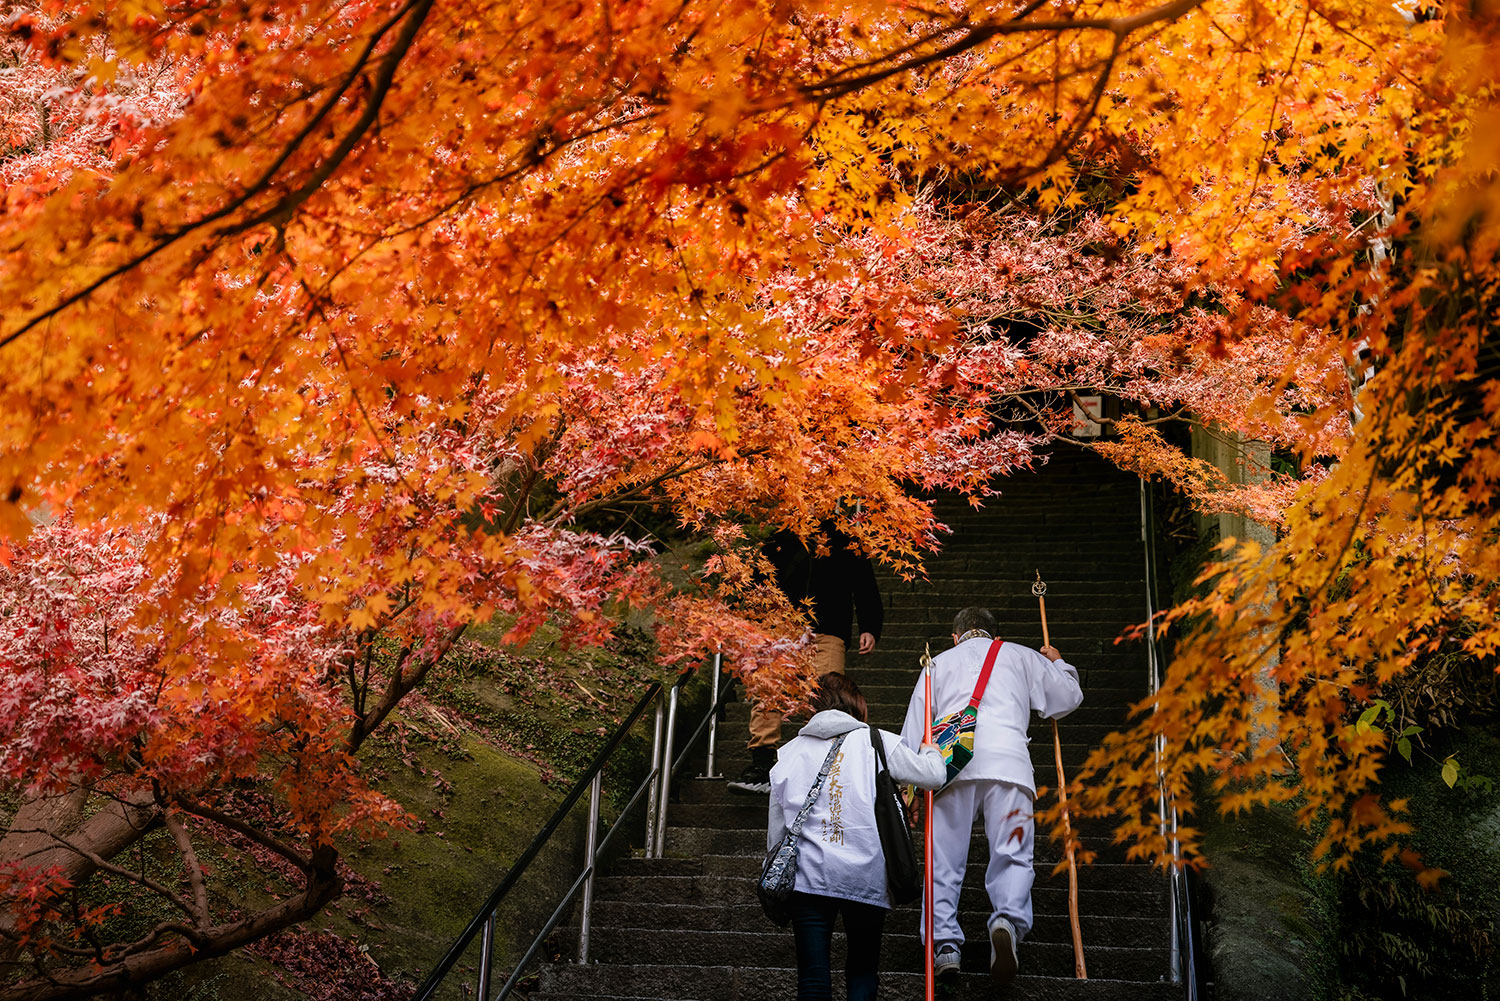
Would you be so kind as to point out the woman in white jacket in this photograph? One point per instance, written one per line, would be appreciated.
(841, 867)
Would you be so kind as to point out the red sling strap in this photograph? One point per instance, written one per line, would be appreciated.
(984, 672)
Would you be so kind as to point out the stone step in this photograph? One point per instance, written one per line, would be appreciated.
(693, 843)
(730, 763)
(1046, 897)
(890, 717)
(692, 823)
(1121, 931)
(894, 698)
(572, 982)
(1081, 598)
(1107, 682)
(1075, 644)
(1070, 730)
(1100, 670)
(1082, 648)
(1102, 703)
(745, 867)
(774, 947)
(1007, 568)
(1018, 623)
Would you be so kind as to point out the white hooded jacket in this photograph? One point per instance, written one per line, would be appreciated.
(1022, 680)
(839, 852)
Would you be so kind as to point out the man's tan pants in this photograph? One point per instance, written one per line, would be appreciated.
(765, 724)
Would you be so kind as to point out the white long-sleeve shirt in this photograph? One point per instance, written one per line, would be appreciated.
(839, 853)
(1022, 680)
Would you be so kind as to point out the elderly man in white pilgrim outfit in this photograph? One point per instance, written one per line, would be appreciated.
(997, 783)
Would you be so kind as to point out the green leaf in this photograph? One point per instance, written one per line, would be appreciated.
(1404, 746)
(1411, 730)
(1450, 772)
(1366, 718)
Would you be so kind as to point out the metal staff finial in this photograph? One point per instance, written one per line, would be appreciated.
(1040, 587)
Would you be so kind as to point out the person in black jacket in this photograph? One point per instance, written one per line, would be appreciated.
(836, 583)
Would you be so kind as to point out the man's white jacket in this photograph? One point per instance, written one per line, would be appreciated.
(1023, 680)
(839, 852)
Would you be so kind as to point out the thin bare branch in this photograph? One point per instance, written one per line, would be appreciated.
(184, 843)
(241, 827)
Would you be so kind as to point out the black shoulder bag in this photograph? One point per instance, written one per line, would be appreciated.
(903, 874)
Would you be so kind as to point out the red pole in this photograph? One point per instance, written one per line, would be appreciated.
(927, 838)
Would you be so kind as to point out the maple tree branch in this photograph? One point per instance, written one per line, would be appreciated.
(415, 13)
(913, 46)
(836, 85)
(107, 832)
(247, 830)
(1270, 130)
(677, 471)
(327, 106)
(104, 865)
(400, 686)
(17, 940)
(101, 953)
(184, 843)
(125, 972)
(523, 496)
(124, 949)
(535, 155)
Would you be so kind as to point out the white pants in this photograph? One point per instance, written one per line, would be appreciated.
(1009, 826)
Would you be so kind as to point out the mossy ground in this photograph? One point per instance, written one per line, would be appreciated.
(480, 760)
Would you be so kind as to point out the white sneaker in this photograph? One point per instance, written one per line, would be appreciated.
(945, 960)
(1003, 959)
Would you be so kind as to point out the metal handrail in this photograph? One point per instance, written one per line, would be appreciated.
(1183, 962)
(656, 785)
(713, 730)
(483, 920)
(585, 881)
(709, 722)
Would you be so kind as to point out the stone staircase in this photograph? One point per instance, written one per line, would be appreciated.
(688, 926)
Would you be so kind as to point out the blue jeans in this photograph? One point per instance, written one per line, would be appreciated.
(812, 927)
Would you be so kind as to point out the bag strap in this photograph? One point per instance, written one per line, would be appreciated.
(984, 673)
(879, 745)
(817, 786)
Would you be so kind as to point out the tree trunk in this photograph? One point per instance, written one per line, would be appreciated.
(324, 885)
(31, 839)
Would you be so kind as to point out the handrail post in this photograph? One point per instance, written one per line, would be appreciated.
(484, 918)
(590, 848)
(666, 773)
(713, 723)
(486, 954)
(656, 758)
(1153, 682)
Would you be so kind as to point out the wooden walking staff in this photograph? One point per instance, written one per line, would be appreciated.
(927, 831)
(1079, 970)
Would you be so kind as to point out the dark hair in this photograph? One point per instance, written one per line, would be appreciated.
(835, 691)
(974, 617)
